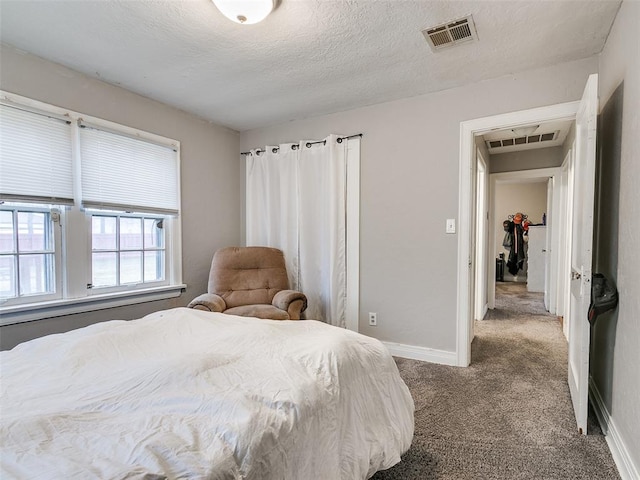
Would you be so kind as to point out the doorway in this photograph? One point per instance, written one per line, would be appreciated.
(536, 194)
(469, 131)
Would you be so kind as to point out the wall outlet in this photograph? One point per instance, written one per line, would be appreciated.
(373, 319)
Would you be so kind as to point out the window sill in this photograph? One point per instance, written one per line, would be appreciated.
(58, 308)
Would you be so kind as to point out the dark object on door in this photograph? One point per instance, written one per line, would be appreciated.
(500, 268)
(604, 296)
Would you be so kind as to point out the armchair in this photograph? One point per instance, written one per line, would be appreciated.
(251, 282)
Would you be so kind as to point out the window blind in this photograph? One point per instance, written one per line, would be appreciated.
(35, 157)
(129, 174)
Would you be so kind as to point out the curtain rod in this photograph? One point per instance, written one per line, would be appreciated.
(296, 146)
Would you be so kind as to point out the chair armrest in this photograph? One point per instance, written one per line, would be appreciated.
(208, 302)
(293, 302)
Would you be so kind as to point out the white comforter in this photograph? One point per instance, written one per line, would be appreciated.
(189, 394)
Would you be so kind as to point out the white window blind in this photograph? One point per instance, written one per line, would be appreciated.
(129, 174)
(35, 157)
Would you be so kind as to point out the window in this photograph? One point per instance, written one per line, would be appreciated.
(126, 250)
(89, 213)
(28, 255)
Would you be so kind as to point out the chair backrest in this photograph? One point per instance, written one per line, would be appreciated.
(248, 275)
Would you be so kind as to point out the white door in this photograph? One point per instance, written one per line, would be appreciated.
(481, 239)
(581, 250)
(547, 247)
(473, 258)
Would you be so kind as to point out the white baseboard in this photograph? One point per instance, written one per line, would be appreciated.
(619, 451)
(485, 309)
(421, 353)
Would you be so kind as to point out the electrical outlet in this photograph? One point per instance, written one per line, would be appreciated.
(373, 319)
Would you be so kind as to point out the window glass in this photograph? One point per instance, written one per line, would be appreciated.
(153, 233)
(104, 269)
(153, 266)
(8, 276)
(36, 274)
(33, 232)
(130, 267)
(103, 233)
(130, 233)
(7, 237)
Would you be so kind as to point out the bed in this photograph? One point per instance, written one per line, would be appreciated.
(183, 393)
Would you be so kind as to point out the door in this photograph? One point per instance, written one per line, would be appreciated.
(547, 247)
(481, 239)
(565, 272)
(473, 253)
(581, 250)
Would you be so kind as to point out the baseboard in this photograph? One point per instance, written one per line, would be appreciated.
(421, 353)
(485, 309)
(619, 451)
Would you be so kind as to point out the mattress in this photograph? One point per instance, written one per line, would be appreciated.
(183, 393)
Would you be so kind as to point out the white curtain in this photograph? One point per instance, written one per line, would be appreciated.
(272, 205)
(296, 201)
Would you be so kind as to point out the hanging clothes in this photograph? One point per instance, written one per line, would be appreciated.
(514, 241)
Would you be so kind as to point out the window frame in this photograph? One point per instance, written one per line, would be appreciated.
(73, 273)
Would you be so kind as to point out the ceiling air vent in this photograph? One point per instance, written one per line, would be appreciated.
(510, 142)
(451, 33)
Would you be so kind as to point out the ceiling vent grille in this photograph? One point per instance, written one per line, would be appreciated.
(510, 142)
(451, 33)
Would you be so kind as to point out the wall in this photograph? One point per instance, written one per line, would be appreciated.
(616, 339)
(510, 198)
(210, 174)
(526, 160)
(409, 186)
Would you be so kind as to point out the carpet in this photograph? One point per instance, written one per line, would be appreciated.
(508, 415)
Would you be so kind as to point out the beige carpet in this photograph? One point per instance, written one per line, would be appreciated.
(508, 415)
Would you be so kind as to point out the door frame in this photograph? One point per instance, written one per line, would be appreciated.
(352, 306)
(466, 182)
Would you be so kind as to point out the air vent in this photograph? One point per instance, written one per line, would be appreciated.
(510, 142)
(451, 33)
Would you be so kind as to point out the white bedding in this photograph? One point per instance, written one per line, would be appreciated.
(189, 394)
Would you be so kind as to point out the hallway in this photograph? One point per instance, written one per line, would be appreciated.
(513, 299)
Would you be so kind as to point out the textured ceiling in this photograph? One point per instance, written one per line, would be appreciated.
(309, 57)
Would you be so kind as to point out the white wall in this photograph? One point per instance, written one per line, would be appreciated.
(526, 160)
(511, 198)
(210, 174)
(620, 62)
(409, 176)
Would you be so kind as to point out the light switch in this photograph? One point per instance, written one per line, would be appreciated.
(451, 225)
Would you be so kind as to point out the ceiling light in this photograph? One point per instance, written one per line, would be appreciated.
(246, 12)
(524, 131)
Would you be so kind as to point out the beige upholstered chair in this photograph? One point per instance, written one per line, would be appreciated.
(251, 282)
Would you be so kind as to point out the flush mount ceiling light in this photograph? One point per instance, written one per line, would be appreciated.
(246, 12)
(524, 131)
